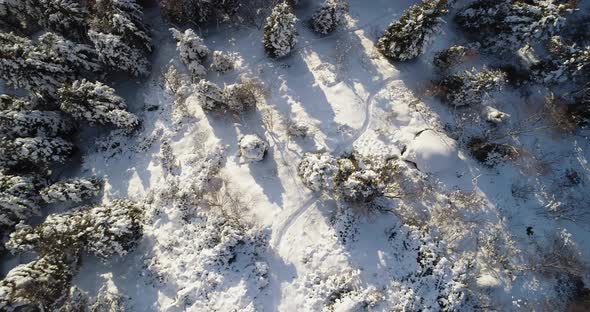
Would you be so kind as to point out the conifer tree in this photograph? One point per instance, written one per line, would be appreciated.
(199, 11)
(19, 200)
(43, 66)
(104, 231)
(120, 37)
(96, 103)
(407, 38)
(33, 123)
(280, 35)
(36, 151)
(329, 16)
(506, 26)
(210, 96)
(192, 51)
(35, 286)
(568, 61)
(74, 190)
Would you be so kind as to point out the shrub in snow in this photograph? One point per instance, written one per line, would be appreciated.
(35, 286)
(569, 62)
(239, 97)
(469, 87)
(407, 38)
(298, 129)
(252, 148)
(503, 26)
(329, 16)
(104, 231)
(32, 123)
(192, 51)
(75, 190)
(318, 171)
(490, 153)
(280, 35)
(33, 151)
(222, 62)
(451, 57)
(120, 37)
(41, 67)
(209, 95)
(109, 299)
(19, 199)
(67, 17)
(362, 186)
(97, 103)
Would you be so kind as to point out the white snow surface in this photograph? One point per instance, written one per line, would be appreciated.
(293, 249)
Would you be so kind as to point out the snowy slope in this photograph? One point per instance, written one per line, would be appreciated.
(274, 245)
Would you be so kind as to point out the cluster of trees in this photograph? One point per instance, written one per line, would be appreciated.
(81, 41)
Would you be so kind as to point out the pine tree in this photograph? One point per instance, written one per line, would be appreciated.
(198, 11)
(35, 286)
(470, 87)
(192, 51)
(43, 66)
(280, 35)
(569, 62)
(37, 151)
(407, 38)
(67, 17)
(239, 97)
(104, 231)
(33, 123)
(120, 37)
(452, 56)
(222, 62)
(318, 171)
(8, 102)
(506, 26)
(96, 103)
(19, 200)
(75, 190)
(329, 16)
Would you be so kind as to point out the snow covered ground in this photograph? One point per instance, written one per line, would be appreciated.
(463, 231)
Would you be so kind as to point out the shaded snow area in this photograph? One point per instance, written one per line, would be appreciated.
(235, 221)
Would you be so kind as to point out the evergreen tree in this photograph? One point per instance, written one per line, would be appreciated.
(452, 56)
(222, 62)
(19, 200)
(506, 26)
(192, 51)
(96, 103)
(280, 35)
(37, 151)
(104, 231)
(120, 37)
(239, 97)
(35, 286)
(75, 190)
(407, 38)
(8, 102)
(33, 123)
(199, 11)
(329, 16)
(569, 61)
(67, 17)
(469, 87)
(43, 66)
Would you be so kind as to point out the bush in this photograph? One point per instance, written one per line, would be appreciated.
(318, 171)
(469, 87)
(490, 153)
(222, 62)
(209, 95)
(252, 148)
(280, 35)
(239, 97)
(452, 56)
(407, 38)
(192, 51)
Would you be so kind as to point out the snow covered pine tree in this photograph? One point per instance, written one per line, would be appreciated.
(36, 152)
(35, 286)
(469, 87)
(19, 200)
(97, 103)
(104, 231)
(75, 190)
(199, 11)
(43, 66)
(329, 16)
(120, 37)
(192, 51)
(280, 35)
(407, 38)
